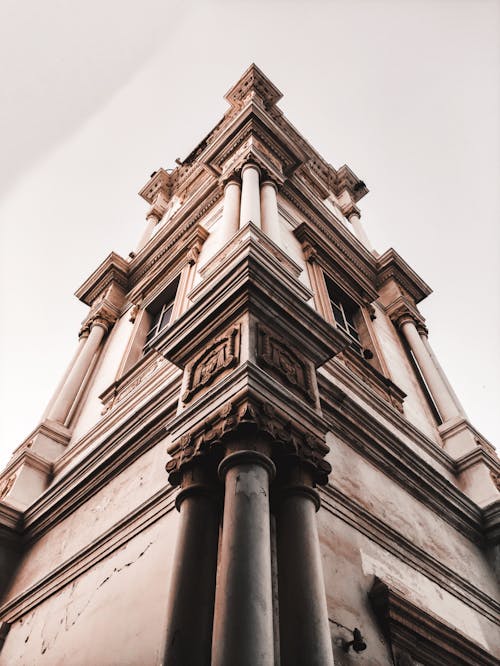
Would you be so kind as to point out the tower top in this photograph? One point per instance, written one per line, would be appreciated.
(253, 83)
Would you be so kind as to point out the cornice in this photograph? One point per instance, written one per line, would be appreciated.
(491, 523)
(391, 540)
(372, 440)
(113, 270)
(160, 268)
(10, 519)
(175, 231)
(160, 182)
(347, 377)
(142, 517)
(253, 81)
(337, 258)
(422, 635)
(391, 265)
(117, 449)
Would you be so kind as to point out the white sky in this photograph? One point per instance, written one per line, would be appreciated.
(97, 95)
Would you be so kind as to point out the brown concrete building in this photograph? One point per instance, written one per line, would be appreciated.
(333, 502)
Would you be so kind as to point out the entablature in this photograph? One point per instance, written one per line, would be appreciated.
(112, 272)
(180, 243)
(391, 265)
(353, 271)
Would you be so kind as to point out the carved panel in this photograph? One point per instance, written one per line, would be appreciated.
(295, 372)
(221, 354)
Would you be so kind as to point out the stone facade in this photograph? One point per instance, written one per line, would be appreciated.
(325, 498)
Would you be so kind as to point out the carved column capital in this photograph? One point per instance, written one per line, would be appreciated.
(250, 165)
(402, 314)
(351, 210)
(250, 415)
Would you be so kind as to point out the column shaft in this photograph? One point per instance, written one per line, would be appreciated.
(192, 587)
(152, 221)
(250, 195)
(62, 405)
(269, 211)
(231, 211)
(304, 627)
(81, 344)
(437, 387)
(442, 373)
(359, 231)
(243, 623)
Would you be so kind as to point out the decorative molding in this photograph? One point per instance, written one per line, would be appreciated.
(249, 414)
(223, 353)
(132, 380)
(421, 635)
(275, 354)
(371, 439)
(113, 271)
(391, 265)
(253, 81)
(142, 517)
(392, 541)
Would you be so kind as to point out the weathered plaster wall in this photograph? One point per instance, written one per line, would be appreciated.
(100, 513)
(360, 481)
(351, 561)
(112, 614)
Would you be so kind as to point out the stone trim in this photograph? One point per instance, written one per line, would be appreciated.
(113, 270)
(373, 441)
(117, 451)
(360, 519)
(147, 513)
(421, 635)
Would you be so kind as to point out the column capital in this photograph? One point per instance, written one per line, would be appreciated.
(351, 210)
(250, 165)
(403, 312)
(231, 179)
(244, 417)
(104, 315)
(270, 182)
(84, 331)
(246, 457)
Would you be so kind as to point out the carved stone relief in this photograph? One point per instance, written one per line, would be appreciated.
(221, 354)
(295, 372)
(249, 413)
(6, 486)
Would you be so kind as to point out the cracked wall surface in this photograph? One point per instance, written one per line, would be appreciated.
(112, 614)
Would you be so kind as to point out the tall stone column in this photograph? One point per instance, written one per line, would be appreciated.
(269, 211)
(231, 210)
(304, 626)
(82, 341)
(422, 331)
(243, 623)
(250, 195)
(192, 587)
(433, 379)
(64, 401)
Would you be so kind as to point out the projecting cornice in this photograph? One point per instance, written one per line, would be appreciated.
(112, 271)
(391, 265)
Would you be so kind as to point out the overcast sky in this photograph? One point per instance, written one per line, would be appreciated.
(97, 95)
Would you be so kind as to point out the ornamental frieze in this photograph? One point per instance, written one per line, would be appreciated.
(288, 439)
(221, 354)
(294, 371)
